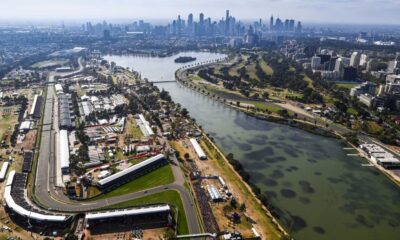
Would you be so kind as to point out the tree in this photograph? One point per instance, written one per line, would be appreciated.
(170, 234)
(242, 207)
(186, 156)
(184, 112)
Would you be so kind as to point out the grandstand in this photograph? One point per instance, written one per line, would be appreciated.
(131, 173)
(27, 163)
(127, 219)
(36, 107)
(22, 212)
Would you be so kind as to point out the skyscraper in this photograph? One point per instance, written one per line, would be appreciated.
(355, 59)
(227, 23)
(271, 23)
(190, 27)
(299, 27)
(201, 25)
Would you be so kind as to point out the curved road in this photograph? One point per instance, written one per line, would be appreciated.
(49, 197)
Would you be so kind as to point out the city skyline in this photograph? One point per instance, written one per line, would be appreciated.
(385, 11)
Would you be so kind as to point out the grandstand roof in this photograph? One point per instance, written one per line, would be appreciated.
(127, 212)
(131, 169)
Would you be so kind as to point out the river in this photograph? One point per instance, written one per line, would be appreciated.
(319, 191)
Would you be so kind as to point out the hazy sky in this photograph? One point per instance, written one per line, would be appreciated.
(335, 11)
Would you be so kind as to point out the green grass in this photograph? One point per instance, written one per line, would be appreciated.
(263, 106)
(158, 177)
(265, 67)
(347, 85)
(352, 111)
(251, 70)
(169, 197)
(196, 78)
(132, 130)
(50, 63)
(373, 127)
(7, 122)
(309, 81)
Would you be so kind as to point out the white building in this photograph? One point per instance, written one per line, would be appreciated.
(3, 171)
(59, 89)
(199, 151)
(63, 151)
(366, 99)
(355, 59)
(144, 126)
(363, 60)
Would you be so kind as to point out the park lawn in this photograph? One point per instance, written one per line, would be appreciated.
(373, 127)
(196, 78)
(328, 98)
(265, 67)
(282, 93)
(171, 197)
(264, 106)
(50, 63)
(158, 177)
(352, 111)
(251, 71)
(233, 70)
(132, 129)
(309, 81)
(7, 122)
(347, 85)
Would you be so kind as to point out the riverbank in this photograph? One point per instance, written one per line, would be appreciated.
(232, 103)
(307, 126)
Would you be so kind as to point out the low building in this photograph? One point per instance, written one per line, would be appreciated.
(144, 126)
(199, 151)
(36, 107)
(63, 151)
(3, 171)
(380, 156)
(25, 126)
(59, 89)
(215, 195)
(65, 113)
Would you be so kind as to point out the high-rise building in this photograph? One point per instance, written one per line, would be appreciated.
(341, 63)
(291, 25)
(227, 18)
(363, 60)
(278, 24)
(393, 67)
(355, 59)
(271, 23)
(349, 74)
(299, 27)
(106, 34)
(201, 25)
(315, 62)
(286, 25)
(190, 26)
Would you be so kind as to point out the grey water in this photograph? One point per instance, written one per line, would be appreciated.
(318, 191)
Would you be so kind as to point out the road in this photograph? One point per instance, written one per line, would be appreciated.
(49, 197)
